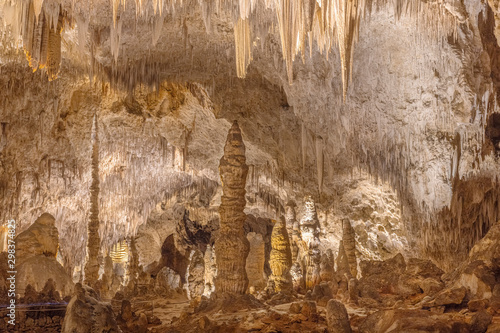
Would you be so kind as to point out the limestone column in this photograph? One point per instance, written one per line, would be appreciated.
(281, 257)
(348, 237)
(93, 238)
(232, 246)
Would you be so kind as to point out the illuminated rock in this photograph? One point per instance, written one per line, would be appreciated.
(231, 247)
(281, 257)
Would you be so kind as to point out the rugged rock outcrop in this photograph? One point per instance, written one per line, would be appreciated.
(131, 322)
(86, 313)
(337, 317)
(231, 245)
(281, 257)
(41, 238)
(36, 257)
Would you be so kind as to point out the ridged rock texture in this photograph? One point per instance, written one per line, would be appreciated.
(349, 240)
(280, 259)
(232, 246)
(93, 238)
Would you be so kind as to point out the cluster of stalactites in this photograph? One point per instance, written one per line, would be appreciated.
(334, 22)
(39, 24)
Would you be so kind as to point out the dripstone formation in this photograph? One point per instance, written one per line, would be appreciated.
(93, 238)
(281, 257)
(232, 246)
(349, 241)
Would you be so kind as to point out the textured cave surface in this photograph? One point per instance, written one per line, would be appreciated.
(358, 191)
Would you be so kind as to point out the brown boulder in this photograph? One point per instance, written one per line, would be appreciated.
(337, 317)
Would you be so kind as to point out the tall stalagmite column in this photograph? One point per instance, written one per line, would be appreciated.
(232, 246)
(280, 258)
(93, 240)
(348, 237)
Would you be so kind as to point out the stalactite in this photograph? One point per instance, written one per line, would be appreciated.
(349, 240)
(280, 259)
(54, 49)
(93, 238)
(232, 246)
(243, 46)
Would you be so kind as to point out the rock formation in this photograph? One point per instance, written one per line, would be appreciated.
(293, 229)
(93, 238)
(36, 257)
(327, 269)
(195, 275)
(310, 255)
(255, 262)
(337, 317)
(131, 322)
(281, 257)
(232, 246)
(86, 313)
(349, 240)
(41, 238)
(210, 271)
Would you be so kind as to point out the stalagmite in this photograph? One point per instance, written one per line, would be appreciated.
(292, 224)
(232, 246)
(255, 261)
(327, 270)
(343, 267)
(309, 253)
(210, 271)
(93, 238)
(280, 259)
(349, 240)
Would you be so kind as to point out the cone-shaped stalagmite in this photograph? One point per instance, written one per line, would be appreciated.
(349, 240)
(232, 246)
(93, 238)
(280, 258)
